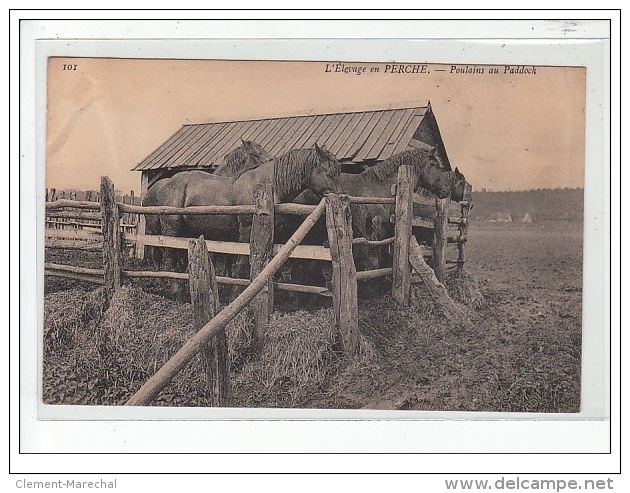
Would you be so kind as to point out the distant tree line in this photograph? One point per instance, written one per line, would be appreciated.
(542, 204)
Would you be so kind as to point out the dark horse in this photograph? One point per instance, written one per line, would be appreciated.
(247, 156)
(297, 170)
(372, 221)
(430, 175)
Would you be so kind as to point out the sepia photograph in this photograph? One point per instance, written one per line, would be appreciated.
(370, 246)
(334, 235)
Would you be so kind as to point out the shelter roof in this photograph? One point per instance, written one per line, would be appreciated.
(361, 137)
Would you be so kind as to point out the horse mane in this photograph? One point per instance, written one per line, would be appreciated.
(242, 159)
(418, 158)
(292, 169)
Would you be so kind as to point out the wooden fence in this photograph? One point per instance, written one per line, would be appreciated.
(266, 258)
(78, 226)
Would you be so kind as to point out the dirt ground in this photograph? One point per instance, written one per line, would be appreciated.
(522, 351)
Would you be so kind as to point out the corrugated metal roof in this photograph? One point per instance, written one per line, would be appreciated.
(355, 136)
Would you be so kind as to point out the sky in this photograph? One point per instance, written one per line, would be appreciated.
(505, 131)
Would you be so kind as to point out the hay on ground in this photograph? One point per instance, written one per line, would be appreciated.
(302, 363)
(68, 313)
(464, 288)
(302, 354)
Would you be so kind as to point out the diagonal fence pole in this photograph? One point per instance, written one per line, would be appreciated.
(172, 367)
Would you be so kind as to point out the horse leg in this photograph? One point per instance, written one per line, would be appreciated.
(227, 261)
(228, 264)
(183, 292)
(173, 259)
(289, 275)
(171, 264)
(241, 269)
(156, 256)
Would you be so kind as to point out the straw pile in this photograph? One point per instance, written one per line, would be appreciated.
(464, 288)
(97, 356)
(302, 357)
(111, 353)
(92, 356)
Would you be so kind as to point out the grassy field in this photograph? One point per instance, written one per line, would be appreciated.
(522, 289)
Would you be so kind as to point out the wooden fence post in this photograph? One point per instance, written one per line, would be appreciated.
(204, 296)
(463, 228)
(142, 220)
(344, 274)
(125, 216)
(401, 273)
(110, 225)
(261, 252)
(439, 238)
(133, 219)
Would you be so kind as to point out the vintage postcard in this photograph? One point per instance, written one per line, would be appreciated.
(490, 319)
(249, 237)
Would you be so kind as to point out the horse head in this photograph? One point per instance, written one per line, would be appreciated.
(249, 155)
(325, 175)
(302, 169)
(437, 180)
(382, 227)
(255, 152)
(370, 221)
(458, 185)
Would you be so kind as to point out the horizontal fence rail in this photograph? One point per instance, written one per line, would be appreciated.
(310, 252)
(74, 204)
(365, 241)
(421, 222)
(82, 216)
(372, 200)
(76, 273)
(96, 276)
(74, 234)
(188, 211)
(373, 274)
(285, 208)
(295, 209)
